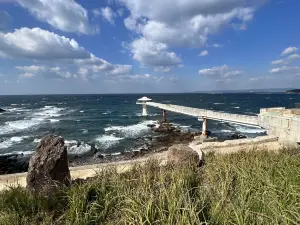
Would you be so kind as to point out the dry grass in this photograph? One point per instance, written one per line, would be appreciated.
(242, 188)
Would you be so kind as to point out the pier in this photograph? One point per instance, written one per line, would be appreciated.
(279, 122)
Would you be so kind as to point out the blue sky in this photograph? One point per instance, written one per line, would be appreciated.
(129, 46)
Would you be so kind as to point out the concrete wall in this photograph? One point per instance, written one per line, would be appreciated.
(209, 114)
(281, 123)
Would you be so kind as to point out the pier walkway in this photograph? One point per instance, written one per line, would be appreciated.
(207, 114)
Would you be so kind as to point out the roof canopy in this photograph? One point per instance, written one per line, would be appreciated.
(145, 99)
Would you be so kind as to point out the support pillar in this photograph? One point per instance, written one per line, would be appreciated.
(204, 126)
(164, 113)
(145, 113)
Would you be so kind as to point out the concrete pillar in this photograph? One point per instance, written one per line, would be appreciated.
(204, 126)
(164, 113)
(144, 113)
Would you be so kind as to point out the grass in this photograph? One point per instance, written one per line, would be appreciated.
(243, 188)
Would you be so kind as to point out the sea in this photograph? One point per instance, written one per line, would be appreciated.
(114, 123)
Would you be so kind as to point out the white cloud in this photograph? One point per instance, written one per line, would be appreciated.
(286, 60)
(289, 50)
(83, 73)
(262, 78)
(108, 14)
(286, 70)
(204, 53)
(96, 12)
(155, 55)
(31, 69)
(96, 65)
(217, 45)
(65, 15)
(187, 23)
(39, 44)
(184, 24)
(27, 75)
(44, 71)
(220, 73)
(136, 78)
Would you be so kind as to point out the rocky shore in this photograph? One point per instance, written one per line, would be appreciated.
(167, 135)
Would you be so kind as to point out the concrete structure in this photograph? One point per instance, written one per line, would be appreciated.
(207, 114)
(280, 122)
(143, 101)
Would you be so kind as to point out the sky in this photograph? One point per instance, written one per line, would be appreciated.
(141, 46)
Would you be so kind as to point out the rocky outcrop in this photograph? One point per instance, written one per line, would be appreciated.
(2, 110)
(13, 163)
(48, 167)
(183, 155)
(164, 127)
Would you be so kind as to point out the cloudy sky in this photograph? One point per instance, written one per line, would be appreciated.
(128, 46)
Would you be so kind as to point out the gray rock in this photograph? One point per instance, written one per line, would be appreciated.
(98, 155)
(181, 154)
(48, 167)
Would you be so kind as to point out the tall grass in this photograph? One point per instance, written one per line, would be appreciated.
(242, 188)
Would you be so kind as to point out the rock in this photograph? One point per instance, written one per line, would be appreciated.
(164, 127)
(151, 125)
(183, 155)
(48, 167)
(2, 110)
(98, 155)
(236, 136)
(14, 163)
(94, 150)
(161, 149)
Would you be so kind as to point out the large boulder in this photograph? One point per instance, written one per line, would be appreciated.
(181, 154)
(48, 167)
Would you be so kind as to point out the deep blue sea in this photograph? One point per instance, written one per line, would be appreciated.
(114, 122)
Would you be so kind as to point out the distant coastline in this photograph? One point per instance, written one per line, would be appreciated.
(293, 91)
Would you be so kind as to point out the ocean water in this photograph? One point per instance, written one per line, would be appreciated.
(114, 122)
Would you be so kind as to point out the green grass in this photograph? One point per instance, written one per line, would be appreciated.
(243, 188)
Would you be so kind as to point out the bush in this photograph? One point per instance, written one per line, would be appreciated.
(242, 188)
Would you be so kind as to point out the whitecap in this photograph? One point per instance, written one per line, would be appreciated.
(131, 130)
(36, 140)
(218, 103)
(153, 114)
(78, 150)
(10, 142)
(81, 111)
(249, 130)
(54, 120)
(48, 111)
(84, 131)
(237, 107)
(12, 126)
(107, 141)
(17, 153)
(70, 142)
